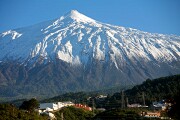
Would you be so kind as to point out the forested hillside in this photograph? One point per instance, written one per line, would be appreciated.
(154, 90)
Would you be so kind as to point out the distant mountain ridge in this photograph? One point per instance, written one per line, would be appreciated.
(75, 52)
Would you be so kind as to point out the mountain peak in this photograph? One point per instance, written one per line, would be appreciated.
(75, 15)
(74, 12)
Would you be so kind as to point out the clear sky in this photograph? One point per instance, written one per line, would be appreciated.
(156, 16)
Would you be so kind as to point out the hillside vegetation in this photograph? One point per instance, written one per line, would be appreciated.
(10, 112)
(154, 90)
(72, 113)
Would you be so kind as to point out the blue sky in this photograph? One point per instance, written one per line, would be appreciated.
(156, 16)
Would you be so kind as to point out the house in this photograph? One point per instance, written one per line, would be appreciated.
(83, 107)
(102, 96)
(152, 114)
(68, 103)
(60, 104)
(133, 105)
(48, 106)
(159, 105)
(54, 106)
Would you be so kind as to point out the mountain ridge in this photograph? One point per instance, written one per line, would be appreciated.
(75, 52)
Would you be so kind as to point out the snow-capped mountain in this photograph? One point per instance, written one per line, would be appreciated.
(103, 54)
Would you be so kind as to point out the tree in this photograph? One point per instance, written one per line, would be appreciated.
(175, 109)
(11, 112)
(72, 113)
(30, 105)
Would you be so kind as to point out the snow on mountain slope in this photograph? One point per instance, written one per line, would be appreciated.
(76, 38)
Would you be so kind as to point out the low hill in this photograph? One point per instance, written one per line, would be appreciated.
(156, 89)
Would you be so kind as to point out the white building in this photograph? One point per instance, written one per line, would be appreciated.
(68, 103)
(54, 106)
(102, 96)
(50, 106)
(47, 108)
(134, 105)
(160, 105)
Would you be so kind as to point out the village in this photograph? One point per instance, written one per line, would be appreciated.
(155, 110)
